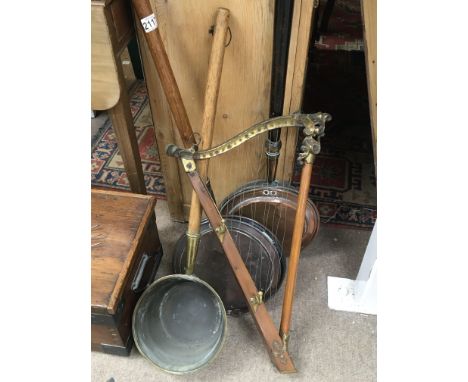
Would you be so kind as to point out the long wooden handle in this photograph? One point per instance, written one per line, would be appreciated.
(296, 242)
(166, 75)
(215, 68)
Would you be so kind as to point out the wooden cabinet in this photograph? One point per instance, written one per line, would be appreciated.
(125, 255)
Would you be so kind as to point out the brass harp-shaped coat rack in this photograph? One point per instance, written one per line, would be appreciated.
(313, 127)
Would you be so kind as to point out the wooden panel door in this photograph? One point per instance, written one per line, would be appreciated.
(369, 18)
(303, 17)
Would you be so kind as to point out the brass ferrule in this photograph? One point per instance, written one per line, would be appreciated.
(192, 249)
(309, 159)
(285, 338)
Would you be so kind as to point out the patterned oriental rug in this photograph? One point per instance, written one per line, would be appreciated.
(343, 181)
(107, 168)
(343, 184)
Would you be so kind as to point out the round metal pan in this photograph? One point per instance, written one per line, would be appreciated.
(259, 249)
(179, 324)
(274, 206)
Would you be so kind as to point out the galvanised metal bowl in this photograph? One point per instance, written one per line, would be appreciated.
(179, 323)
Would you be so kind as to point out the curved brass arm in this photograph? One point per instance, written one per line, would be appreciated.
(313, 124)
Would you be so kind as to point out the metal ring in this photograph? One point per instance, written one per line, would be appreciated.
(230, 37)
(197, 138)
(212, 30)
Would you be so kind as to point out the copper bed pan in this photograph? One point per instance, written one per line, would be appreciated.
(274, 206)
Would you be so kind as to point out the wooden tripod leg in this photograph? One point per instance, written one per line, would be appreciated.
(166, 75)
(278, 354)
(215, 67)
(295, 252)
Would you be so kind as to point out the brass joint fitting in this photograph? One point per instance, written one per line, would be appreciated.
(256, 300)
(220, 231)
(192, 250)
(285, 338)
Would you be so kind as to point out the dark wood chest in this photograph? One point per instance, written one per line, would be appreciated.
(125, 254)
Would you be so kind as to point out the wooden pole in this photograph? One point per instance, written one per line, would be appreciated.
(296, 241)
(278, 354)
(166, 75)
(215, 68)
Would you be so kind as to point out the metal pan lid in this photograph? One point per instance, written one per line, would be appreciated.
(259, 249)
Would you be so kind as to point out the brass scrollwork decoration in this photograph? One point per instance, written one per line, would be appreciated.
(313, 124)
